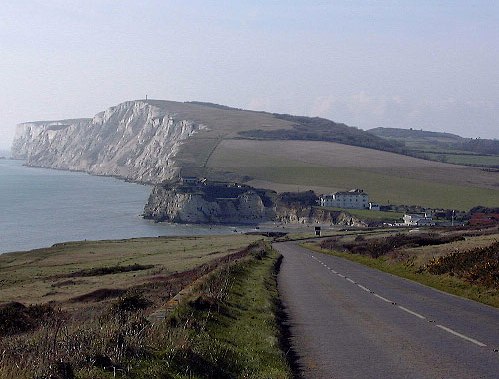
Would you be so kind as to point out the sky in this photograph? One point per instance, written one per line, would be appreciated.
(423, 64)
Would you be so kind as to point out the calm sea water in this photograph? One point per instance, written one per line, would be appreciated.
(40, 207)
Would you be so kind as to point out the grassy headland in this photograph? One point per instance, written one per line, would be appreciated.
(57, 273)
(124, 322)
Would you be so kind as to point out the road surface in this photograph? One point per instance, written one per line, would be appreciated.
(350, 321)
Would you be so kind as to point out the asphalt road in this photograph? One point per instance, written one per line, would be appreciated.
(350, 321)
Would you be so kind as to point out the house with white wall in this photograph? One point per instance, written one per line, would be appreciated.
(418, 220)
(353, 199)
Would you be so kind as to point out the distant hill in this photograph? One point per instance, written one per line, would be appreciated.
(314, 129)
(443, 147)
(321, 129)
(152, 141)
(397, 133)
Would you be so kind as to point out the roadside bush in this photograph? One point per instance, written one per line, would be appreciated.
(478, 266)
(377, 247)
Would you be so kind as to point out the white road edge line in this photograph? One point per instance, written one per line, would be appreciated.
(412, 313)
(382, 298)
(461, 335)
(341, 275)
(351, 281)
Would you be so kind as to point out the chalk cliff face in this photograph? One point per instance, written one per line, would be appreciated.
(135, 140)
(237, 204)
(176, 205)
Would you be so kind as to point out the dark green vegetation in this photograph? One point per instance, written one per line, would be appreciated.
(224, 327)
(16, 317)
(321, 129)
(109, 270)
(444, 147)
(459, 261)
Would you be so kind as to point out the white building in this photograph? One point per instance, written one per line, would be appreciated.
(418, 220)
(353, 199)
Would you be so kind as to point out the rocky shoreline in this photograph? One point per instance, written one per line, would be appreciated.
(204, 202)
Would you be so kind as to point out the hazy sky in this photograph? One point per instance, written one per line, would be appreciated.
(423, 64)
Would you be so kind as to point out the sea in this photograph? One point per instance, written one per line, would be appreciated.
(40, 207)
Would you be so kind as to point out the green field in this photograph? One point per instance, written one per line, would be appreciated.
(388, 178)
(384, 189)
(466, 159)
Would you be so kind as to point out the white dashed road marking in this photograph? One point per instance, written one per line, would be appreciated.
(412, 313)
(461, 335)
(382, 298)
(364, 288)
(448, 330)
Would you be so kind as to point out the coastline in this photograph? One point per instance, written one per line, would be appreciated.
(44, 207)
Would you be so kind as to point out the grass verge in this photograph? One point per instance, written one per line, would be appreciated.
(229, 329)
(446, 283)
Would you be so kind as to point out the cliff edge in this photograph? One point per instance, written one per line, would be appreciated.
(135, 140)
(204, 202)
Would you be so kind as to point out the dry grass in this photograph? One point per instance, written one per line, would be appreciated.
(46, 275)
(201, 338)
(310, 153)
(424, 254)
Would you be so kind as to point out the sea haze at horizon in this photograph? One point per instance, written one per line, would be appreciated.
(41, 207)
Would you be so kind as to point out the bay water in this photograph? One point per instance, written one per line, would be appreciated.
(41, 207)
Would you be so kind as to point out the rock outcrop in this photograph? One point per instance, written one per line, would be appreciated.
(135, 140)
(210, 203)
(230, 203)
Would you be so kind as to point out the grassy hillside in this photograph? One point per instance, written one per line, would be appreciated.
(320, 129)
(443, 147)
(289, 153)
(327, 167)
(227, 123)
(73, 269)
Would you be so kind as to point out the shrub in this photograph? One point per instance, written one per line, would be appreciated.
(478, 266)
(16, 318)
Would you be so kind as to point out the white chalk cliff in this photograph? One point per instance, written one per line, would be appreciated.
(135, 140)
